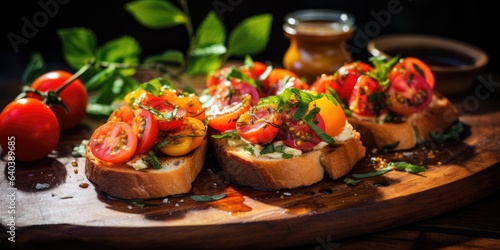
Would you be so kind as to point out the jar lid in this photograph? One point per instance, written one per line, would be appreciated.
(317, 21)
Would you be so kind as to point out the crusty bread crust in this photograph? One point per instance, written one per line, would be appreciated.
(416, 128)
(123, 181)
(264, 173)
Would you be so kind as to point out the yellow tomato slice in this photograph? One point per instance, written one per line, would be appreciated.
(332, 114)
(183, 139)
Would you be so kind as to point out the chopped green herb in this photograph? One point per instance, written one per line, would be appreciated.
(408, 167)
(208, 197)
(249, 149)
(229, 134)
(374, 173)
(153, 159)
(453, 133)
(141, 204)
(351, 182)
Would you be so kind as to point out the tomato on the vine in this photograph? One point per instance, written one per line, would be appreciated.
(408, 93)
(183, 139)
(113, 142)
(74, 96)
(367, 97)
(259, 125)
(415, 66)
(29, 129)
(298, 134)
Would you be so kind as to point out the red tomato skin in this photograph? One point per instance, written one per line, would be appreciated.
(31, 126)
(259, 125)
(74, 96)
(359, 102)
(348, 75)
(408, 93)
(289, 129)
(102, 152)
(147, 137)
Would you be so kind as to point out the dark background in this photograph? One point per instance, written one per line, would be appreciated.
(474, 22)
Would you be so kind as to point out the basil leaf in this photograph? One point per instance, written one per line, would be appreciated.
(229, 134)
(249, 149)
(233, 72)
(267, 149)
(211, 31)
(153, 160)
(79, 45)
(208, 197)
(453, 133)
(408, 167)
(169, 57)
(99, 109)
(351, 182)
(202, 65)
(214, 49)
(374, 173)
(99, 79)
(35, 68)
(250, 36)
(141, 204)
(123, 50)
(156, 14)
(326, 138)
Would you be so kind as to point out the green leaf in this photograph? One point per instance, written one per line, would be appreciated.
(100, 109)
(214, 49)
(408, 167)
(208, 197)
(351, 182)
(229, 134)
(374, 173)
(125, 50)
(250, 36)
(35, 68)
(211, 31)
(99, 79)
(169, 57)
(202, 65)
(156, 14)
(79, 46)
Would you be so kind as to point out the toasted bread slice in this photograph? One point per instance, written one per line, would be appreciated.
(269, 173)
(416, 128)
(123, 181)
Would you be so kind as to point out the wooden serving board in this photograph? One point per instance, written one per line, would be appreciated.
(52, 207)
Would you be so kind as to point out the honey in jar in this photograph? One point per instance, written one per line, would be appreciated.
(317, 41)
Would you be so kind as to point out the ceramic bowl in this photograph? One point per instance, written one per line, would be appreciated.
(455, 64)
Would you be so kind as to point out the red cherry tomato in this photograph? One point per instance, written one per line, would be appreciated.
(297, 134)
(408, 93)
(415, 66)
(122, 114)
(145, 127)
(216, 77)
(74, 97)
(324, 81)
(367, 97)
(113, 142)
(28, 129)
(168, 115)
(276, 75)
(224, 117)
(348, 75)
(259, 125)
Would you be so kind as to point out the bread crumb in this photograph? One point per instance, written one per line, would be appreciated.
(129, 207)
(176, 204)
(165, 200)
(287, 194)
(42, 186)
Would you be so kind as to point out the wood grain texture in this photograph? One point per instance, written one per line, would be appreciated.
(58, 211)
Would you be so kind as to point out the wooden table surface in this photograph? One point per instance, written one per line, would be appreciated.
(474, 226)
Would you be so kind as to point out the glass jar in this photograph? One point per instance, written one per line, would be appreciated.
(317, 41)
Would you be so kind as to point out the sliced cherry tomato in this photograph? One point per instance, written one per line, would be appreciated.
(122, 114)
(276, 75)
(415, 66)
(297, 134)
(145, 127)
(183, 139)
(224, 117)
(216, 77)
(367, 97)
(113, 142)
(332, 114)
(167, 114)
(347, 76)
(408, 93)
(74, 96)
(287, 82)
(192, 105)
(259, 125)
(29, 130)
